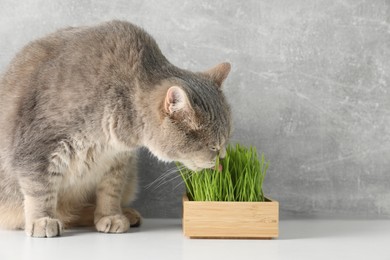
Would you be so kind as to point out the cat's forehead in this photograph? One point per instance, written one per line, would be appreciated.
(196, 80)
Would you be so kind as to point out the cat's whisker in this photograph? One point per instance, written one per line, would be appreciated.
(162, 178)
(167, 181)
(178, 185)
(158, 180)
(186, 179)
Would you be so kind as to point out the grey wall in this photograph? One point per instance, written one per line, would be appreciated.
(309, 87)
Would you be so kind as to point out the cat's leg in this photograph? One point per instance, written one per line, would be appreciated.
(126, 171)
(108, 216)
(40, 203)
(11, 202)
(130, 191)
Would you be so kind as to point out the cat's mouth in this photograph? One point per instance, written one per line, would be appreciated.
(195, 168)
(198, 167)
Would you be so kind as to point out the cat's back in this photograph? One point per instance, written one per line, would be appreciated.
(71, 61)
(114, 40)
(67, 67)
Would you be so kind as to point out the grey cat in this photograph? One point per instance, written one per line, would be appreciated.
(75, 106)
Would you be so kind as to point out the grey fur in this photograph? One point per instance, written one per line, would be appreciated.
(75, 106)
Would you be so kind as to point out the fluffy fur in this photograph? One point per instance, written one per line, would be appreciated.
(75, 106)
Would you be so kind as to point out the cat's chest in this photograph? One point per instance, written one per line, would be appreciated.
(88, 165)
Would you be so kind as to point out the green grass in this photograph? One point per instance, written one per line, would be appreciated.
(241, 178)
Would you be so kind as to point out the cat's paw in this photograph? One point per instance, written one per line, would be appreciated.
(44, 227)
(133, 216)
(113, 224)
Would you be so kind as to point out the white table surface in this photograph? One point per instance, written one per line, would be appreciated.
(163, 239)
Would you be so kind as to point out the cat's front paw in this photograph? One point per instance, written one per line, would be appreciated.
(44, 227)
(113, 224)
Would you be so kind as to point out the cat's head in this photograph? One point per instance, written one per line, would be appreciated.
(194, 119)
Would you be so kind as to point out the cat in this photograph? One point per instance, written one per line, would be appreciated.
(75, 107)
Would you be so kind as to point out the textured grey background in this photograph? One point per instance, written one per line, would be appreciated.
(309, 87)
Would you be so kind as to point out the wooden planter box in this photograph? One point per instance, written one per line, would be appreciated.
(230, 219)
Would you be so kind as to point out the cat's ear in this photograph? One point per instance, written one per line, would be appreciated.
(219, 73)
(176, 100)
(178, 107)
